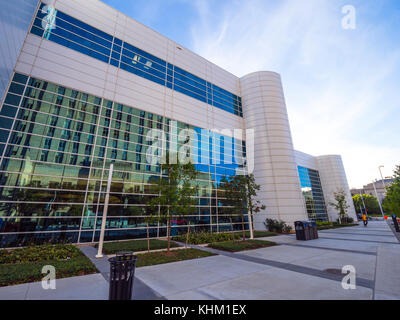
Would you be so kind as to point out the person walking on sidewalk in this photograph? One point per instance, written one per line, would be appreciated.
(365, 219)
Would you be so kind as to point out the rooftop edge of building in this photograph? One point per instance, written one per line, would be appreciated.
(255, 73)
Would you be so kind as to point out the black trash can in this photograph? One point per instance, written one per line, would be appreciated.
(314, 230)
(395, 223)
(310, 231)
(122, 273)
(302, 230)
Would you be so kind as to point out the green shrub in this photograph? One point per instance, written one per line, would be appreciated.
(279, 226)
(323, 223)
(205, 237)
(346, 220)
(286, 228)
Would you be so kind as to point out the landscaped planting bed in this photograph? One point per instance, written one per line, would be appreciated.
(241, 245)
(261, 234)
(136, 245)
(153, 258)
(25, 265)
(206, 237)
(334, 225)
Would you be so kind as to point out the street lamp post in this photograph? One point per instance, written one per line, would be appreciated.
(103, 222)
(383, 180)
(362, 199)
(379, 201)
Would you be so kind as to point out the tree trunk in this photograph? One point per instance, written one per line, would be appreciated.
(253, 225)
(148, 239)
(187, 236)
(169, 234)
(243, 231)
(233, 234)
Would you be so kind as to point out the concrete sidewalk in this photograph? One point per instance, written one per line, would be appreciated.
(293, 270)
(90, 287)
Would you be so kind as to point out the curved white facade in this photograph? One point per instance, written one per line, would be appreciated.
(333, 179)
(275, 169)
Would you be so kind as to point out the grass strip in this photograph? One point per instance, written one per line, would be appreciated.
(261, 234)
(241, 245)
(136, 246)
(154, 258)
(336, 226)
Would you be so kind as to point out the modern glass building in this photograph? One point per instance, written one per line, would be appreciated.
(89, 86)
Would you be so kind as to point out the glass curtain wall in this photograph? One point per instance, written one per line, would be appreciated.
(56, 145)
(313, 195)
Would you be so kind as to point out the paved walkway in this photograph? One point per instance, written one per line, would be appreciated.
(90, 287)
(292, 270)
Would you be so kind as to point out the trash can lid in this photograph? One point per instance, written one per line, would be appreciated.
(122, 259)
(124, 253)
(123, 256)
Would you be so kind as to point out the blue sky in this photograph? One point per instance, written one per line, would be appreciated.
(342, 86)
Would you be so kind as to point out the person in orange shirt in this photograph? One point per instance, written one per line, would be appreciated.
(365, 219)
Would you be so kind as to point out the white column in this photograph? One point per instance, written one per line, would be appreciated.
(103, 221)
(275, 167)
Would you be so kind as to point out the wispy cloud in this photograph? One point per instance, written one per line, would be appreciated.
(341, 86)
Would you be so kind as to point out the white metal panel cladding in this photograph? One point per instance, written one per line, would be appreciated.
(15, 20)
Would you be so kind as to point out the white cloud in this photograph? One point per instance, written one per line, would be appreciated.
(339, 84)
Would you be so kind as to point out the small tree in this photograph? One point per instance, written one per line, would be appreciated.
(392, 200)
(371, 203)
(240, 193)
(234, 200)
(340, 204)
(253, 205)
(175, 194)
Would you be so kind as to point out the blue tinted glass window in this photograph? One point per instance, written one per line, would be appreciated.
(190, 76)
(20, 78)
(8, 111)
(144, 54)
(3, 136)
(5, 123)
(12, 99)
(84, 26)
(79, 36)
(16, 88)
(81, 32)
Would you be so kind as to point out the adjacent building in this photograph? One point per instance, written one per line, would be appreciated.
(83, 85)
(369, 189)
